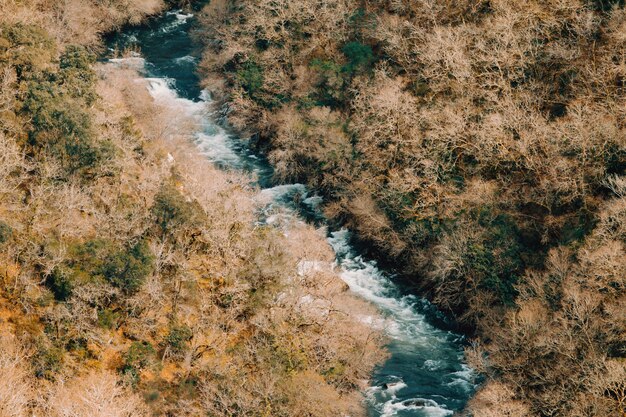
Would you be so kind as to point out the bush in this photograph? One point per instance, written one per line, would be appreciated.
(76, 73)
(139, 356)
(127, 269)
(172, 210)
(362, 22)
(250, 77)
(60, 283)
(62, 128)
(102, 261)
(479, 256)
(178, 338)
(331, 84)
(497, 260)
(56, 104)
(6, 232)
(108, 318)
(334, 78)
(27, 48)
(47, 362)
(360, 57)
(607, 5)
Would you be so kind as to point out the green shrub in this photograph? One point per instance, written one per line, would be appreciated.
(362, 21)
(90, 255)
(77, 75)
(108, 318)
(79, 347)
(62, 128)
(101, 260)
(60, 283)
(360, 57)
(483, 263)
(250, 77)
(57, 105)
(607, 5)
(6, 232)
(334, 78)
(80, 267)
(614, 158)
(47, 362)
(334, 373)
(127, 269)
(140, 355)
(178, 338)
(331, 84)
(27, 48)
(172, 211)
(497, 260)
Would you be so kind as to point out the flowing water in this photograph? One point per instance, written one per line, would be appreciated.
(425, 374)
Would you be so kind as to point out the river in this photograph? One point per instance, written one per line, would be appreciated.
(425, 374)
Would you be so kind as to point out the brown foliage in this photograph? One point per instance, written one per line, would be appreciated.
(484, 151)
(222, 300)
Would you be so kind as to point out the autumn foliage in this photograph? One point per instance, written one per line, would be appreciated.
(134, 278)
(481, 145)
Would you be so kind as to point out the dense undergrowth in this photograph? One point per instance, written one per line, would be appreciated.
(481, 145)
(134, 279)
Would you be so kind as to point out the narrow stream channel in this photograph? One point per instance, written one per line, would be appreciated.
(425, 374)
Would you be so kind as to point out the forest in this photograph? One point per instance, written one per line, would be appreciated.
(478, 147)
(135, 279)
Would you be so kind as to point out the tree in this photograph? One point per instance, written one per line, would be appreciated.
(16, 391)
(97, 394)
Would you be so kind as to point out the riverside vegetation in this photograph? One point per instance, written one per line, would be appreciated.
(480, 145)
(134, 278)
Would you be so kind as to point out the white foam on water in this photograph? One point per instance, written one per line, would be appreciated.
(132, 39)
(463, 379)
(281, 196)
(132, 62)
(205, 95)
(393, 388)
(213, 141)
(429, 408)
(181, 19)
(461, 383)
(187, 59)
(180, 15)
(161, 89)
(432, 365)
(280, 191)
(437, 411)
(466, 373)
(217, 148)
(368, 281)
(314, 201)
